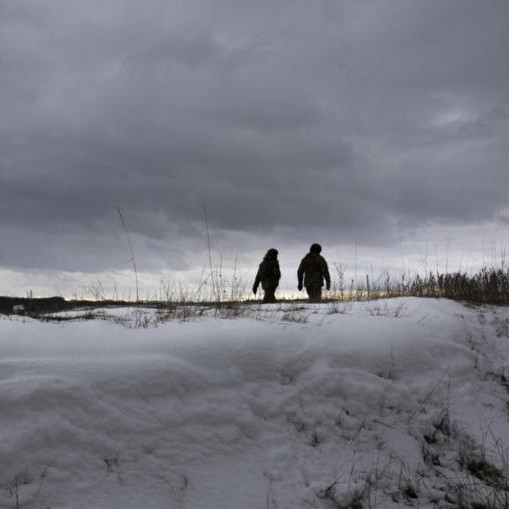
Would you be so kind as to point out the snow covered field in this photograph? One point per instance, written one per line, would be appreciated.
(381, 404)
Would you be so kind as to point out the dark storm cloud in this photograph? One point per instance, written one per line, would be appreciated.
(339, 117)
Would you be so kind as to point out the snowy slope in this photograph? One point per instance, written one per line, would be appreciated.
(378, 403)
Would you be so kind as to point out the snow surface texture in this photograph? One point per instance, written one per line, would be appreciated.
(379, 404)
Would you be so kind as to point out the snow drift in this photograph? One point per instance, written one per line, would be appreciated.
(379, 404)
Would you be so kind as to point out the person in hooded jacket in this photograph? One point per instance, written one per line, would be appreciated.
(268, 275)
(312, 272)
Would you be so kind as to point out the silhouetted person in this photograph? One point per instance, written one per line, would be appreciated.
(313, 270)
(268, 275)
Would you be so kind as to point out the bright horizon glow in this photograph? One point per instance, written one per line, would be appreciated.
(410, 258)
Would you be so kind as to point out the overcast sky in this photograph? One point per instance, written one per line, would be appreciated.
(381, 124)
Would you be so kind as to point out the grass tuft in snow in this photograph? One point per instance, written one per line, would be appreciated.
(23, 488)
(474, 460)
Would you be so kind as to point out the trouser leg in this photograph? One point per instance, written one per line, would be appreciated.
(269, 295)
(314, 293)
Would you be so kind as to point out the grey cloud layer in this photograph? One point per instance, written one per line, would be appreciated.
(344, 118)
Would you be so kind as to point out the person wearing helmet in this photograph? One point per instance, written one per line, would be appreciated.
(313, 270)
(268, 275)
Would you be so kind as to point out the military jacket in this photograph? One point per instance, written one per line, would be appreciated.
(314, 270)
(268, 274)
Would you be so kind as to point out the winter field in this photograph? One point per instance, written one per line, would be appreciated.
(389, 403)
